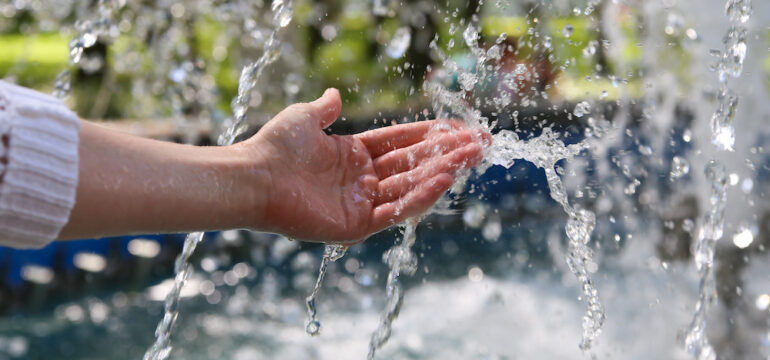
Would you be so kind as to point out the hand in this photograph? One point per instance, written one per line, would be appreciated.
(341, 189)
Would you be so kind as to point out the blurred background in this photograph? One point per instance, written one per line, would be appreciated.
(492, 282)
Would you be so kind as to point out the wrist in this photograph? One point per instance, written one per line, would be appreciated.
(252, 183)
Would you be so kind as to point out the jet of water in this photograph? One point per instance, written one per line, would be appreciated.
(723, 138)
(282, 13)
(332, 253)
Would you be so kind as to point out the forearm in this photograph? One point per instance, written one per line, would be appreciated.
(129, 184)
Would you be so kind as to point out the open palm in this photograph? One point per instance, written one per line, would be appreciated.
(340, 189)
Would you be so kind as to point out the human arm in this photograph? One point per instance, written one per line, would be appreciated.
(130, 185)
(289, 178)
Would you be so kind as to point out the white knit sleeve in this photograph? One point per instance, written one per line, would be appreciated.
(38, 166)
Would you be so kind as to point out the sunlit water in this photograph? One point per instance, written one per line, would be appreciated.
(544, 151)
(723, 138)
(248, 81)
(648, 298)
(400, 260)
(331, 253)
(478, 316)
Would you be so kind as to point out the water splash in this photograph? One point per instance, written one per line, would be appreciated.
(89, 29)
(400, 43)
(250, 74)
(679, 167)
(161, 349)
(696, 340)
(401, 260)
(730, 65)
(331, 253)
(723, 138)
(544, 151)
(582, 108)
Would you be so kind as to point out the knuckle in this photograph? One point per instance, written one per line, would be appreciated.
(301, 108)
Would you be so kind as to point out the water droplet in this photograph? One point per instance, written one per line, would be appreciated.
(520, 69)
(177, 74)
(75, 54)
(630, 189)
(282, 12)
(674, 24)
(736, 55)
(738, 10)
(468, 81)
(475, 274)
(474, 215)
(313, 328)
(688, 225)
(88, 40)
(743, 238)
(495, 52)
(722, 130)
(329, 32)
(679, 167)
(687, 135)
(471, 36)
(590, 49)
(492, 229)
(582, 108)
(400, 43)
(62, 85)
(568, 30)
(691, 34)
(292, 84)
(284, 17)
(547, 42)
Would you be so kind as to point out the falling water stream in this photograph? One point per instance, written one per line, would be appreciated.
(331, 253)
(89, 29)
(544, 150)
(723, 138)
(282, 13)
(400, 260)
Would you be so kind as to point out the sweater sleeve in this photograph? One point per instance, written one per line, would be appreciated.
(38, 166)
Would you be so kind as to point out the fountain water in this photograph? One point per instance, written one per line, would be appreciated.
(282, 16)
(331, 253)
(400, 259)
(624, 77)
(723, 138)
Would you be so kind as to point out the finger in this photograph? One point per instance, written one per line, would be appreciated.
(399, 185)
(407, 158)
(327, 108)
(414, 203)
(389, 138)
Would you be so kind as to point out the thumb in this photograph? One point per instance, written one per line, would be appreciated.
(327, 107)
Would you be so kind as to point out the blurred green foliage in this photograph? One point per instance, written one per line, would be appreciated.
(34, 60)
(353, 60)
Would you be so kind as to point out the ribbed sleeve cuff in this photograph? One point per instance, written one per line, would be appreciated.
(37, 191)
